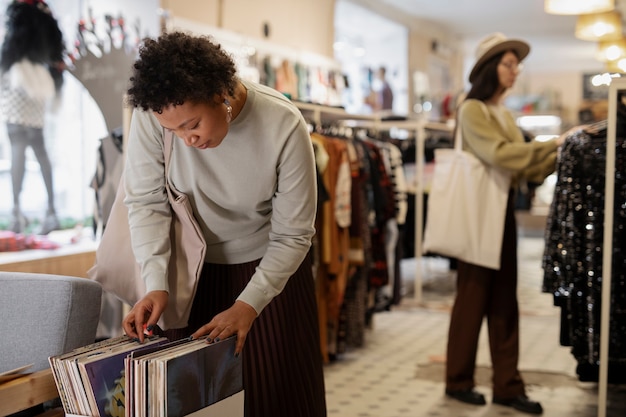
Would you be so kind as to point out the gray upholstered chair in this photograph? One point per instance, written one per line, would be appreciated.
(42, 315)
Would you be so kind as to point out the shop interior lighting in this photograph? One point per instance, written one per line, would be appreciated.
(605, 78)
(617, 66)
(545, 138)
(576, 7)
(611, 50)
(538, 121)
(605, 26)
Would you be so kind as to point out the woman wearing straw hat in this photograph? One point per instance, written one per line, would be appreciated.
(490, 133)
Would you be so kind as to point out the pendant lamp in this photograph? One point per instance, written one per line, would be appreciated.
(575, 7)
(611, 50)
(606, 26)
(616, 66)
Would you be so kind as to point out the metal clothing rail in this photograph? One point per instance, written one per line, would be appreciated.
(420, 137)
(607, 247)
(319, 114)
(420, 127)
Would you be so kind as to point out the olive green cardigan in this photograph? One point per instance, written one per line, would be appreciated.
(497, 140)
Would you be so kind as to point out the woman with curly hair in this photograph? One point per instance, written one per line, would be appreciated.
(31, 66)
(245, 159)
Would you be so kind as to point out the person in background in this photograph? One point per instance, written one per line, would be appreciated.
(381, 94)
(31, 67)
(491, 134)
(385, 93)
(243, 155)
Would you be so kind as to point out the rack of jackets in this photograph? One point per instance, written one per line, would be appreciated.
(360, 192)
(362, 200)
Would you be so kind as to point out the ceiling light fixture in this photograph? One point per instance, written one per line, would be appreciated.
(611, 50)
(617, 66)
(605, 26)
(574, 7)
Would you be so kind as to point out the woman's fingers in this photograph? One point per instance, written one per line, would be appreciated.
(145, 312)
(237, 320)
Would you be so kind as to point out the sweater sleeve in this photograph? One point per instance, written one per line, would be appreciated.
(502, 144)
(149, 213)
(292, 223)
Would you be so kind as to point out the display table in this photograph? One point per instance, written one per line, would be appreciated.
(28, 391)
(70, 259)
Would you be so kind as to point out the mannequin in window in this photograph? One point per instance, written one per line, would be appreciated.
(31, 68)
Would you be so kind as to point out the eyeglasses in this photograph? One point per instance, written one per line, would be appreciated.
(513, 66)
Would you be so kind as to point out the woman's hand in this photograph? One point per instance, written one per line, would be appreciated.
(146, 311)
(561, 139)
(236, 320)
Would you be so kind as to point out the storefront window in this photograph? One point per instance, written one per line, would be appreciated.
(101, 41)
(366, 45)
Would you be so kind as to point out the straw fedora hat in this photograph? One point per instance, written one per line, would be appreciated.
(493, 45)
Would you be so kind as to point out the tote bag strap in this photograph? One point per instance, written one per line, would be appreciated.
(168, 145)
(458, 137)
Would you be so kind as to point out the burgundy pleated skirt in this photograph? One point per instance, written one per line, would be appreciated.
(282, 362)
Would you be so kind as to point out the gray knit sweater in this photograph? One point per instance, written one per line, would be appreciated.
(254, 195)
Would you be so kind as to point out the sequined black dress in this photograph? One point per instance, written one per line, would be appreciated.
(573, 252)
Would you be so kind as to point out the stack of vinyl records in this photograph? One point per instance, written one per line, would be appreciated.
(121, 377)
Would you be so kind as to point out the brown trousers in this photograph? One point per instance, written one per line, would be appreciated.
(483, 292)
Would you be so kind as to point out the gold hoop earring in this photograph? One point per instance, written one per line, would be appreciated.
(229, 110)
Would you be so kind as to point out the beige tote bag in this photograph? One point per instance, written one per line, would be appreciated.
(466, 207)
(118, 271)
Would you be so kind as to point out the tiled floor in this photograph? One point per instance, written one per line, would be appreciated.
(399, 371)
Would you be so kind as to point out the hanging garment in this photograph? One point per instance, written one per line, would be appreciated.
(109, 167)
(572, 259)
(352, 319)
(332, 225)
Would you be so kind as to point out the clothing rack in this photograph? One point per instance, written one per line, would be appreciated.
(420, 137)
(607, 250)
(319, 114)
(420, 127)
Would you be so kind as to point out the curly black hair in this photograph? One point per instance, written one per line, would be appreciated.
(178, 67)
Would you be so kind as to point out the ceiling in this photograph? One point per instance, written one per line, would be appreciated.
(552, 40)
